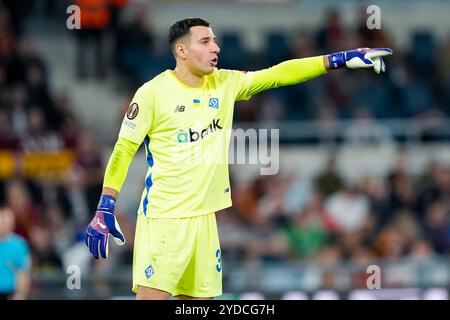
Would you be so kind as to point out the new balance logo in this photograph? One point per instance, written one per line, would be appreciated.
(180, 109)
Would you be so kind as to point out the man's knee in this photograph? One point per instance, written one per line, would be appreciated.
(145, 293)
(183, 297)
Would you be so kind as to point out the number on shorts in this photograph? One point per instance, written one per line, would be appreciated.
(219, 260)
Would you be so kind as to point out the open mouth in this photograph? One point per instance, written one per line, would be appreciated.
(214, 62)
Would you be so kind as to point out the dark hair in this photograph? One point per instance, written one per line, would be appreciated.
(182, 27)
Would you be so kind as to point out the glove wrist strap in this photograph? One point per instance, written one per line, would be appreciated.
(107, 204)
(336, 60)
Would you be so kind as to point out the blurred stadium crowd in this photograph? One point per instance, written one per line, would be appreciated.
(416, 85)
(284, 217)
(51, 168)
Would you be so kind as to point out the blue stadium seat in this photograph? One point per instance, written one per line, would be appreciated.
(232, 55)
(416, 97)
(277, 48)
(422, 53)
(377, 96)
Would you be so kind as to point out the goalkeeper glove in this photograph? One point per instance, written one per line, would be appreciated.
(360, 58)
(103, 224)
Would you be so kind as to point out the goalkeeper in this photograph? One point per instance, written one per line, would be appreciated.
(176, 114)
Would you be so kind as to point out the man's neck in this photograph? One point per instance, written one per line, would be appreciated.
(187, 77)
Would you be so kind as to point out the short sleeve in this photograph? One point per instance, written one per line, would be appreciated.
(239, 81)
(139, 116)
(243, 81)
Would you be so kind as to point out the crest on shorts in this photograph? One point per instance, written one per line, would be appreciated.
(149, 272)
(133, 111)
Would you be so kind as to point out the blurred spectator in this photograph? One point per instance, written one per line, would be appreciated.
(303, 44)
(244, 198)
(388, 244)
(14, 68)
(309, 233)
(8, 139)
(135, 54)
(19, 116)
(44, 255)
(69, 126)
(329, 256)
(60, 227)
(361, 257)
(407, 228)
(39, 138)
(90, 163)
(421, 250)
(372, 38)
(437, 227)
(233, 236)
(40, 98)
(246, 111)
(271, 109)
(298, 192)
(443, 82)
(331, 37)
(95, 18)
(25, 211)
(268, 243)
(328, 259)
(30, 56)
(17, 9)
(348, 207)
(402, 193)
(439, 187)
(14, 260)
(116, 6)
(271, 201)
(74, 194)
(329, 181)
(377, 190)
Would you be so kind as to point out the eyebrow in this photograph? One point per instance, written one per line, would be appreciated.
(207, 38)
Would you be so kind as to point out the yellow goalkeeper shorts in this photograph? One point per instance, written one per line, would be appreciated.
(180, 256)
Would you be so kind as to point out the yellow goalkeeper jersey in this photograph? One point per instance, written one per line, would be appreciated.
(186, 132)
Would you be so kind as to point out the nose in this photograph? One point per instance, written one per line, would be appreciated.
(215, 48)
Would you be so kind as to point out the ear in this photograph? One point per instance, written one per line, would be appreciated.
(181, 50)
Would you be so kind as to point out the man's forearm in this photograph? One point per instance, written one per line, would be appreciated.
(110, 191)
(117, 168)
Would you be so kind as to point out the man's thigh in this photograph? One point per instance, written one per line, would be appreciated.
(162, 251)
(203, 275)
